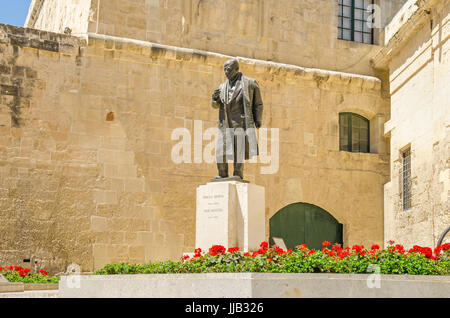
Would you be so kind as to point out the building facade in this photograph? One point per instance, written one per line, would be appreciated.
(416, 53)
(87, 121)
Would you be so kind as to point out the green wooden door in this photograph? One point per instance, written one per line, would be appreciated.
(306, 223)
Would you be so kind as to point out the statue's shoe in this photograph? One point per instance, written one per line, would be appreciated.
(233, 178)
(219, 178)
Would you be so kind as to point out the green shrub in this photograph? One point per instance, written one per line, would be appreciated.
(393, 260)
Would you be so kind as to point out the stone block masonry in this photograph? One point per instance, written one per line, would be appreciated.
(296, 32)
(417, 55)
(78, 185)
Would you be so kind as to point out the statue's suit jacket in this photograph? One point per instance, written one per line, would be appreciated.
(253, 111)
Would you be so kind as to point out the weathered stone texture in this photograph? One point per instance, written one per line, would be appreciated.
(81, 186)
(299, 32)
(57, 15)
(419, 65)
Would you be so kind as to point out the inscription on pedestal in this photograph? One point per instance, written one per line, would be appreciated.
(226, 217)
(212, 205)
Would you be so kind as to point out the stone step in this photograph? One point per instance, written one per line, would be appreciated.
(11, 287)
(32, 294)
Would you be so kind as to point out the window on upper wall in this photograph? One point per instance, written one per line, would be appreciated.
(352, 20)
(406, 179)
(354, 134)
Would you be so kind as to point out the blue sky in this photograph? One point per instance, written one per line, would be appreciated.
(14, 12)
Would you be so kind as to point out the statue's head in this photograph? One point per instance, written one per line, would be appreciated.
(231, 69)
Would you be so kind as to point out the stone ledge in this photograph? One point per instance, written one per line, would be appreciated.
(8, 287)
(40, 287)
(32, 294)
(11, 287)
(38, 39)
(129, 47)
(403, 26)
(256, 285)
(146, 51)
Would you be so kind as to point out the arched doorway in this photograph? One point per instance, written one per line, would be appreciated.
(306, 223)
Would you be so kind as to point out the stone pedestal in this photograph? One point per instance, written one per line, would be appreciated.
(231, 214)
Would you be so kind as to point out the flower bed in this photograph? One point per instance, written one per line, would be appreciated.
(330, 259)
(17, 274)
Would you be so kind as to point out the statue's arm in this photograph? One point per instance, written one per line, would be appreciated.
(215, 101)
(257, 105)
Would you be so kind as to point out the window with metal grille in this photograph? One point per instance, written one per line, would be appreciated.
(354, 133)
(406, 179)
(353, 16)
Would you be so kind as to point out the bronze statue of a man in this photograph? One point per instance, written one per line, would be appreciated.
(240, 111)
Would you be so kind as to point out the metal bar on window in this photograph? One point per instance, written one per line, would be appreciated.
(406, 179)
(353, 20)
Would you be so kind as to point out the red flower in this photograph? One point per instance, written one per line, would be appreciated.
(362, 253)
(217, 249)
(427, 252)
(343, 254)
(337, 248)
(326, 243)
(255, 254)
(437, 250)
(1, 269)
(247, 254)
(399, 248)
(358, 248)
(446, 246)
(45, 273)
(264, 245)
(269, 260)
(185, 257)
(198, 253)
(375, 247)
(302, 247)
(279, 251)
(289, 251)
(311, 252)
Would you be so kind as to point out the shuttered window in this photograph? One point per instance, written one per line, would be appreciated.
(406, 179)
(354, 133)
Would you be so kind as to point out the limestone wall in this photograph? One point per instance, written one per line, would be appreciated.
(298, 32)
(85, 150)
(57, 15)
(389, 9)
(420, 77)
